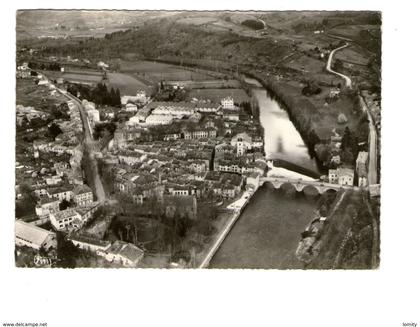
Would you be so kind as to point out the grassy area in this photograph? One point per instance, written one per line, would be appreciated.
(215, 95)
(39, 97)
(157, 71)
(127, 84)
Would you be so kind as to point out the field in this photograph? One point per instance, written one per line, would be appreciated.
(215, 95)
(352, 31)
(156, 71)
(306, 64)
(39, 97)
(352, 56)
(128, 85)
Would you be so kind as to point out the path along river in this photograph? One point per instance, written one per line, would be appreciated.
(268, 231)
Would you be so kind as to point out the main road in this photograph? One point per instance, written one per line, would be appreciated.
(346, 78)
(90, 149)
(373, 146)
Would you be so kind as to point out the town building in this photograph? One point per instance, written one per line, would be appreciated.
(228, 103)
(47, 205)
(140, 116)
(131, 107)
(208, 108)
(345, 176)
(123, 253)
(89, 243)
(362, 168)
(154, 119)
(242, 142)
(140, 97)
(68, 219)
(198, 134)
(230, 115)
(91, 111)
(61, 193)
(342, 176)
(82, 195)
(86, 212)
(27, 234)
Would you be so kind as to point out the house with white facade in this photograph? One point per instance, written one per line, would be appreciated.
(61, 193)
(83, 195)
(47, 205)
(342, 176)
(68, 219)
(123, 253)
(228, 103)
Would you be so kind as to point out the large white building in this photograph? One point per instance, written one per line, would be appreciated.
(159, 119)
(140, 97)
(242, 142)
(83, 195)
(175, 111)
(140, 116)
(47, 205)
(37, 238)
(66, 219)
(91, 111)
(228, 103)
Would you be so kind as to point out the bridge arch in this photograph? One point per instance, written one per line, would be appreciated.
(329, 189)
(288, 188)
(311, 190)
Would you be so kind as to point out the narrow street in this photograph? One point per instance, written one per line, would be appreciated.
(90, 148)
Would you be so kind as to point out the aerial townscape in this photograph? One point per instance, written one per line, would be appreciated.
(176, 139)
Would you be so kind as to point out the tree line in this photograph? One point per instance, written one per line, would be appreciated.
(99, 95)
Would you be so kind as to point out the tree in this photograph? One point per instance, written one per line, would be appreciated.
(64, 204)
(54, 130)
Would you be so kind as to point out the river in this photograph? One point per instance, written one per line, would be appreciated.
(281, 139)
(267, 233)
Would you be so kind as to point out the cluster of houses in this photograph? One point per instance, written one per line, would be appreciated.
(165, 113)
(346, 175)
(183, 167)
(91, 111)
(27, 114)
(212, 155)
(23, 71)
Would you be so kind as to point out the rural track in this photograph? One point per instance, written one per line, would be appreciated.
(329, 69)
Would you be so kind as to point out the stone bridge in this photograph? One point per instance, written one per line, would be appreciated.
(300, 184)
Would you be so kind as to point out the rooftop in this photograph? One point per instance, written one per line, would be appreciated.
(31, 233)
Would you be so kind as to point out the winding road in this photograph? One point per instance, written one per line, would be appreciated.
(346, 78)
(373, 151)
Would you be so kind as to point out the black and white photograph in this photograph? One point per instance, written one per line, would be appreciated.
(177, 139)
(158, 157)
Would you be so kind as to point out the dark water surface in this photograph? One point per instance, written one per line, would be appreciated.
(268, 231)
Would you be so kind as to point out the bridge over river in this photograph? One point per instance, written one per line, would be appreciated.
(300, 184)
